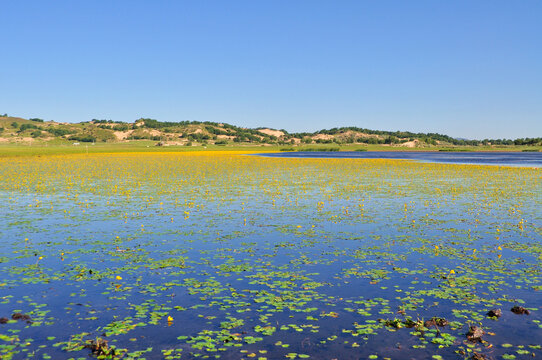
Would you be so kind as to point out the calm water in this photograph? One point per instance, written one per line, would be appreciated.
(528, 159)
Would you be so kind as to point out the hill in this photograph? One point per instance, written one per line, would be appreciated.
(187, 133)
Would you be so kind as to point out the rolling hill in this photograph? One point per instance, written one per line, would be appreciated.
(187, 133)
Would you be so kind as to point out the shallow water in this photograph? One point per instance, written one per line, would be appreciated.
(527, 159)
(256, 257)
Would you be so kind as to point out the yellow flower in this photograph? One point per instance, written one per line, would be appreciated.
(118, 277)
(499, 248)
(169, 319)
(452, 271)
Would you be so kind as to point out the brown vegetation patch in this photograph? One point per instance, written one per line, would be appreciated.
(520, 310)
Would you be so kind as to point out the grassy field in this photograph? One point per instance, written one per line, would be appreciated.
(58, 148)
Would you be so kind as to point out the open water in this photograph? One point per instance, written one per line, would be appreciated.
(524, 159)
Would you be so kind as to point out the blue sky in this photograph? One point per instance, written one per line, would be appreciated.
(468, 69)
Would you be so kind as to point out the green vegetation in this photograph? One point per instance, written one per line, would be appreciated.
(24, 127)
(319, 148)
(208, 133)
(455, 150)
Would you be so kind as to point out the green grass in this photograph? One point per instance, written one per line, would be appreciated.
(319, 148)
(62, 147)
(455, 150)
(58, 147)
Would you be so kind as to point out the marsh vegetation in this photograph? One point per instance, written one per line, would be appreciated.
(220, 255)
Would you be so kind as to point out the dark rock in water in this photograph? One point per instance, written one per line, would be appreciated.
(494, 313)
(475, 334)
(520, 310)
(21, 316)
(477, 356)
(4, 320)
(435, 321)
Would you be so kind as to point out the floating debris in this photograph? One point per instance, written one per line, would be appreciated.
(478, 356)
(435, 321)
(21, 316)
(475, 334)
(520, 310)
(100, 347)
(494, 313)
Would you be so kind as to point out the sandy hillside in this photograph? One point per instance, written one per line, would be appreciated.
(271, 132)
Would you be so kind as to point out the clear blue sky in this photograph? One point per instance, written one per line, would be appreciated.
(468, 68)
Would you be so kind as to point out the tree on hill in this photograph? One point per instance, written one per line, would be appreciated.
(24, 127)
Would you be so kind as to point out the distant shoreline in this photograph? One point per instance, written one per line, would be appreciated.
(142, 146)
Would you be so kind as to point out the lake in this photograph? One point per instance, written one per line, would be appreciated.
(221, 255)
(533, 159)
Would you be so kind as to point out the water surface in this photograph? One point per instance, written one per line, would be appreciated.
(527, 159)
(190, 256)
